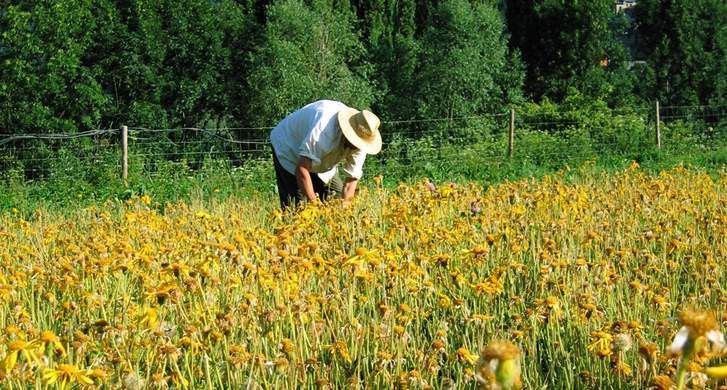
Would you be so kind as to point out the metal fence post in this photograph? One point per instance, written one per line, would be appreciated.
(658, 126)
(125, 154)
(511, 139)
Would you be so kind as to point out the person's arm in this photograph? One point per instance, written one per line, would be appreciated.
(349, 188)
(352, 169)
(302, 175)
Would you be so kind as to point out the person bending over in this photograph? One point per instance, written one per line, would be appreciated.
(310, 143)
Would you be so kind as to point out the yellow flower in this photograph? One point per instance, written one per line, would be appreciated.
(287, 347)
(697, 327)
(238, 355)
(66, 374)
(49, 338)
(178, 379)
(145, 199)
(97, 373)
(463, 354)
(340, 349)
(148, 317)
(492, 286)
(499, 364)
(622, 369)
(601, 344)
(163, 291)
(16, 348)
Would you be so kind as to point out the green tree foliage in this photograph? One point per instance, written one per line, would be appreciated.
(45, 84)
(80, 64)
(170, 62)
(389, 31)
(73, 65)
(685, 43)
(310, 51)
(465, 66)
(563, 44)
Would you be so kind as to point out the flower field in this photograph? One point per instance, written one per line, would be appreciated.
(604, 281)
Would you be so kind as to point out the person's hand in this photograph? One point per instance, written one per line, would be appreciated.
(315, 202)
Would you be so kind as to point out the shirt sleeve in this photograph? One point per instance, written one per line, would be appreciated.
(353, 166)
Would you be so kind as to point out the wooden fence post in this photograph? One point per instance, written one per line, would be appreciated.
(125, 154)
(658, 126)
(511, 139)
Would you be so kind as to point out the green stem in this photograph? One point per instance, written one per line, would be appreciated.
(681, 377)
(682, 371)
(690, 350)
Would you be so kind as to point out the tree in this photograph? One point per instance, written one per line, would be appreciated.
(685, 43)
(83, 64)
(169, 63)
(389, 32)
(562, 43)
(309, 52)
(46, 86)
(465, 68)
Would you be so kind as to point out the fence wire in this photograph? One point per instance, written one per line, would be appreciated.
(547, 139)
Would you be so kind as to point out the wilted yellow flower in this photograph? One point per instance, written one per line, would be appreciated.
(698, 327)
(499, 363)
(463, 354)
(438, 344)
(648, 351)
(663, 382)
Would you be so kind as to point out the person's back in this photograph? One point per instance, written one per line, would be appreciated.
(290, 133)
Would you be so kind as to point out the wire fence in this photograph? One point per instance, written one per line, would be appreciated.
(536, 138)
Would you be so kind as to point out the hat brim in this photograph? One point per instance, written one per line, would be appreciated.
(368, 146)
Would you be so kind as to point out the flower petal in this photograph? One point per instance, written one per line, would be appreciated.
(716, 372)
(679, 340)
(717, 338)
(9, 361)
(493, 364)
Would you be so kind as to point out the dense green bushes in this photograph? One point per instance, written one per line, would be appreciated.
(81, 64)
(308, 52)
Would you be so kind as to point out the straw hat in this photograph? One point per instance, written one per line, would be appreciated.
(361, 129)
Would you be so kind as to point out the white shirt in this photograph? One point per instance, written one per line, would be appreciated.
(313, 132)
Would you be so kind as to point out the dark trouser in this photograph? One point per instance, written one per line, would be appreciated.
(288, 190)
